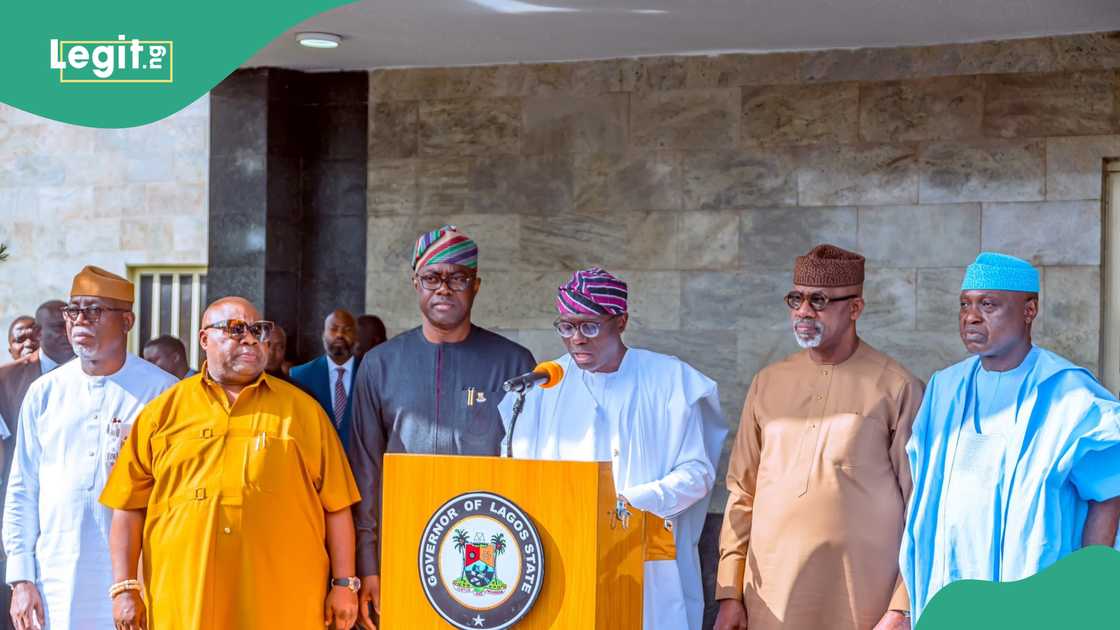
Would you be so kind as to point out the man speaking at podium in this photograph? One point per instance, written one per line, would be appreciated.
(654, 417)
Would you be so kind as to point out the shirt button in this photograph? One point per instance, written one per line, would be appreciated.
(825, 372)
(228, 530)
(92, 453)
(820, 397)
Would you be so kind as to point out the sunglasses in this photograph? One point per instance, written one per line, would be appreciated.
(817, 301)
(236, 328)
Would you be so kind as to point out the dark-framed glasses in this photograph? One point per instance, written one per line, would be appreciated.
(817, 300)
(236, 328)
(457, 282)
(91, 313)
(567, 330)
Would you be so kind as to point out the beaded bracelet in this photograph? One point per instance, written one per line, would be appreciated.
(126, 585)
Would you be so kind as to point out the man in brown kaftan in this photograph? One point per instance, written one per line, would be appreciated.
(819, 476)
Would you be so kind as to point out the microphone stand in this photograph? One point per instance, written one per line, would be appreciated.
(517, 406)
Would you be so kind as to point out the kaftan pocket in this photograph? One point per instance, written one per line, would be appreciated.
(852, 440)
(266, 454)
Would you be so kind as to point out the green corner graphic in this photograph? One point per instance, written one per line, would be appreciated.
(1081, 590)
(198, 44)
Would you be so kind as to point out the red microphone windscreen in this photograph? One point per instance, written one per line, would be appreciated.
(554, 371)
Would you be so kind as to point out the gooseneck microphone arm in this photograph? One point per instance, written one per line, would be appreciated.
(545, 375)
(517, 406)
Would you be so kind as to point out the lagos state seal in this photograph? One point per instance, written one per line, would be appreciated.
(481, 562)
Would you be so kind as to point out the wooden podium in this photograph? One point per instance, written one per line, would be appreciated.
(592, 564)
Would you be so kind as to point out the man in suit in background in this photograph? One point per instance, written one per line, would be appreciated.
(54, 350)
(330, 378)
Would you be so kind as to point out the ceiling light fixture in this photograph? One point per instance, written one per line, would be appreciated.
(319, 40)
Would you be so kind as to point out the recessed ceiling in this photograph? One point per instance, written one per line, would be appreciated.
(380, 33)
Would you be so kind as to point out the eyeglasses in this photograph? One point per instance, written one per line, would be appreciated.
(817, 301)
(236, 328)
(567, 330)
(91, 313)
(456, 282)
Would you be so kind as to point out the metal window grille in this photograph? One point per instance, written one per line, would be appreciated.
(169, 301)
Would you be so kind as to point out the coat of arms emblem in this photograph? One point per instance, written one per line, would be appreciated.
(481, 562)
(480, 557)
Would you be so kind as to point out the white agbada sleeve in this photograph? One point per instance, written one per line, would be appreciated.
(21, 506)
(690, 479)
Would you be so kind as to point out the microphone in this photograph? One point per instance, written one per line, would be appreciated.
(546, 374)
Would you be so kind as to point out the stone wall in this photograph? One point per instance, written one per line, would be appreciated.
(698, 179)
(72, 196)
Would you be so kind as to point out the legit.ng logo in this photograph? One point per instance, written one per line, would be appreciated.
(120, 60)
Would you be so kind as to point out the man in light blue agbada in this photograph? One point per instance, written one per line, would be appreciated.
(1015, 452)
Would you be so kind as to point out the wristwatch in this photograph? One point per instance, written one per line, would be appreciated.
(351, 583)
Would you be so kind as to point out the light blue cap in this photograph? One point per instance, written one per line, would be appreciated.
(1000, 272)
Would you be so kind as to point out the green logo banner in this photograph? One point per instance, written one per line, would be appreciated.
(129, 63)
(1078, 591)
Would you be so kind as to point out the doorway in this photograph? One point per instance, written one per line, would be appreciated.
(1110, 277)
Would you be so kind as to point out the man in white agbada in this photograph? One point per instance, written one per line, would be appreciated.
(71, 426)
(654, 417)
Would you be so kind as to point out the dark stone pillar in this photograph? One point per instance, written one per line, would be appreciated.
(283, 260)
(335, 121)
(288, 196)
(238, 186)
